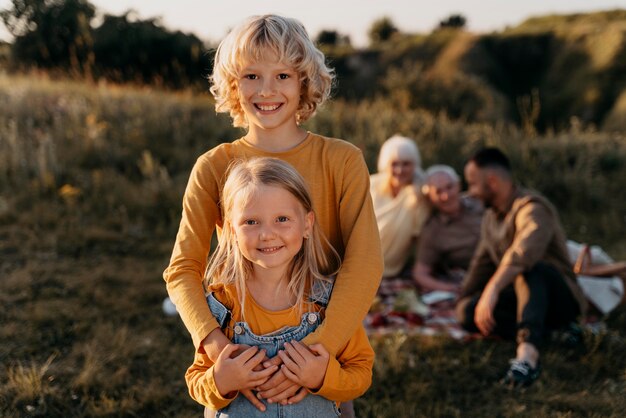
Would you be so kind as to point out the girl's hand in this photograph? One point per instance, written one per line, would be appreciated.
(247, 393)
(278, 388)
(305, 365)
(237, 373)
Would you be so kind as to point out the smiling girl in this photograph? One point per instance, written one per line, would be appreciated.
(269, 281)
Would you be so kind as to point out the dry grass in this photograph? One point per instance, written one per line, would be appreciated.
(91, 180)
(27, 383)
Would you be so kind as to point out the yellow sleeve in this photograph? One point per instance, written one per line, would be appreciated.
(350, 374)
(201, 384)
(362, 265)
(189, 256)
(199, 376)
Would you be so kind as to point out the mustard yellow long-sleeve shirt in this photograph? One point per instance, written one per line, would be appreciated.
(339, 183)
(347, 376)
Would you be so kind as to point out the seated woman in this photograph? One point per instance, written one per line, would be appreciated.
(450, 235)
(400, 211)
(400, 208)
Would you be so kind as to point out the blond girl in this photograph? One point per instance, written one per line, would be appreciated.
(269, 282)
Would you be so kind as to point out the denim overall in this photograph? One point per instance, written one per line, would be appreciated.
(311, 405)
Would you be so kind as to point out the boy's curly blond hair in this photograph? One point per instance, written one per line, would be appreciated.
(254, 39)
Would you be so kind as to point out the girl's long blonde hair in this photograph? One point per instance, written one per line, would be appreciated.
(312, 264)
(256, 38)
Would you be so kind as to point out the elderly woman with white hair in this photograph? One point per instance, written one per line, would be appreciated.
(400, 208)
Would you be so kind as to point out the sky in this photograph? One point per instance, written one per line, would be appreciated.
(210, 20)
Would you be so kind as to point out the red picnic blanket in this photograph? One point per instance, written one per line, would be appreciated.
(398, 308)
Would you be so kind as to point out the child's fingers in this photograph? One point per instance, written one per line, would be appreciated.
(301, 394)
(302, 348)
(276, 380)
(247, 355)
(319, 349)
(242, 348)
(290, 375)
(274, 361)
(228, 350)
(255, 382)
(284, 394)
(256, 359)
(288, 362)
(253, 399)
(267, 390)
(296, 352)
(261, 377)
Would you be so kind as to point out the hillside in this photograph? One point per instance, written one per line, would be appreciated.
(91, 179)
(541, 74)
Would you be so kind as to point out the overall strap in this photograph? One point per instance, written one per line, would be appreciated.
(219, 311)
(321, 291)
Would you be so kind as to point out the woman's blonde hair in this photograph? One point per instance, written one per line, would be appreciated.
(310, 265)
(253, 40)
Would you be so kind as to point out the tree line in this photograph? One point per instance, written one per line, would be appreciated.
(544, 74)
(61, 35)
(68, 36)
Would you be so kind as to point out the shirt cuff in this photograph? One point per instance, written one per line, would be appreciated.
(216, 393)
(327, 389)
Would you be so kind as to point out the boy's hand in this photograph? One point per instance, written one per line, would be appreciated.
(279, 388)
(237, 373)
(305, 365)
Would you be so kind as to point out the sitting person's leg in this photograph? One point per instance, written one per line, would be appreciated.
(504, 313)
(544, 302)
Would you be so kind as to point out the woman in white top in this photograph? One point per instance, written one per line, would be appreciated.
(400, 208)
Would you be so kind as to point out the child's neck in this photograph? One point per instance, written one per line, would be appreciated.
(270, 291)
(275, 141)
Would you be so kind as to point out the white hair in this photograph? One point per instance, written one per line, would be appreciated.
(442, 169)
(399, 147)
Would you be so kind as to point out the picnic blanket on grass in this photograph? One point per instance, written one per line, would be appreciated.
(399, 308)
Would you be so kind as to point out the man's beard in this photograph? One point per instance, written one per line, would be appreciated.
(488, 197)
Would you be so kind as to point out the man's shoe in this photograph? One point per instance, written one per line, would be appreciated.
(520, 374)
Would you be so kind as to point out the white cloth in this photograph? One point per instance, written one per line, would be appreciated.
(597, 254)
(605, 293)
(400, 220)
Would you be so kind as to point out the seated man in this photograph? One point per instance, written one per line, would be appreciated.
(450, 236)
(520, 282)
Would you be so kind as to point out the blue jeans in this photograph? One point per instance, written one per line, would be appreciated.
(311, 405)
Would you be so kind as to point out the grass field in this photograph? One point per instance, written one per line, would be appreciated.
(91, 178)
